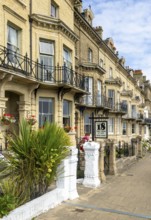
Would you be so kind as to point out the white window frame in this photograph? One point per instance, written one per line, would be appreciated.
(90, 55)
(110, 73)
(101, 63)
(87, 123)
(67, 111)
(48, 54)
(124, 128)
(54, 10)
(99, 92)
(46, 116)
(13, 44)
(88, 99)
(111, 123)
(111, 97)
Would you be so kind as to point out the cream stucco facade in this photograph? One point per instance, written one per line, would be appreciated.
(56, 66)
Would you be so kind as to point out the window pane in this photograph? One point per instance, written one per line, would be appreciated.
(65, 108)
(46, 48)
(45, 110)
(12, 36)
(53, 10)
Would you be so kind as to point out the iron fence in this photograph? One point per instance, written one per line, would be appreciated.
(22, 65)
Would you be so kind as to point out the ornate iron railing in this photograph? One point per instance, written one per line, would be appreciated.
(22, 65)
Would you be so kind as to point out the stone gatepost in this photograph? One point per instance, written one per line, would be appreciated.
(72, 135)
(112, 159)
(101, 162)
(67, 174)
(91, 172)
(140, 150)
(73, 159)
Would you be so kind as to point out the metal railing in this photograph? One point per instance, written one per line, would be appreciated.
(119, 107)
(22, 65)
(103, 101)
(125, 149)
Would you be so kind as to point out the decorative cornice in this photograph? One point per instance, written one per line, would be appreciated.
(127, 93)
(53, 23)
(10, 11)
(114, 81)
(92, 66)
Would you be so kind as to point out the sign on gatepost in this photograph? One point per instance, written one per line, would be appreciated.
(101, 129)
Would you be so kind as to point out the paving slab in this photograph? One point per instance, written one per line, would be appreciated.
(123, 197)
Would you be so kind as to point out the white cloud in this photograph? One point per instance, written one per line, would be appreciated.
(128, 22)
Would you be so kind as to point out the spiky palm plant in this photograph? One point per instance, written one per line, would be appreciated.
(34, 157)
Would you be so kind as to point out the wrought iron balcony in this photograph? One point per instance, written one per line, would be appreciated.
(103, 102)
(119, 108)
(140, 117)
(130, 116)
(98, 101)
(23, 66)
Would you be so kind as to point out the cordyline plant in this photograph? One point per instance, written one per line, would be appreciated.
(34, 157)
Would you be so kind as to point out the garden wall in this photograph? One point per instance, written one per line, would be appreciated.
(66, 189)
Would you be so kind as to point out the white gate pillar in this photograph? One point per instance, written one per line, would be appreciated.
(67, 174)
(91, 172)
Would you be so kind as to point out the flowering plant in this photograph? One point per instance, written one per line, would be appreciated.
(31, 119)
(67, 128)
(7, 119)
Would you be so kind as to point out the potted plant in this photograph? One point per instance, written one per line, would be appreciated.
(7, 119)
(31, 120)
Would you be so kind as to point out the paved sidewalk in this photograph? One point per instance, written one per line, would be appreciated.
(126, 196)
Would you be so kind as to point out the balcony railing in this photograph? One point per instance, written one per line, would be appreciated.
(103, 101)
(23, 66)
(119, 107)
(98, 101)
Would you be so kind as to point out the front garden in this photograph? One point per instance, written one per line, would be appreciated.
(30, 164)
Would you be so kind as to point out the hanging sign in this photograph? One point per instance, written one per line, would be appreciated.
(101, 129)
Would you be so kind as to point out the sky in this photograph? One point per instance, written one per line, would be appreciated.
(128, 23)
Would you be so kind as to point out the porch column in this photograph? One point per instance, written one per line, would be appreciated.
(32, 98)
(60, 111)
(24, 109)
(91, 172)
(101, 162)
(112, 159)
(3, 101)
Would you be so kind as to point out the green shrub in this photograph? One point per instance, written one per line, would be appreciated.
(8, 197)
(34, 157)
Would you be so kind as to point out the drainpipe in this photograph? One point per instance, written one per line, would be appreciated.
(30, 31)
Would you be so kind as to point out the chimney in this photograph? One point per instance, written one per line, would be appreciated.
(99, 31)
